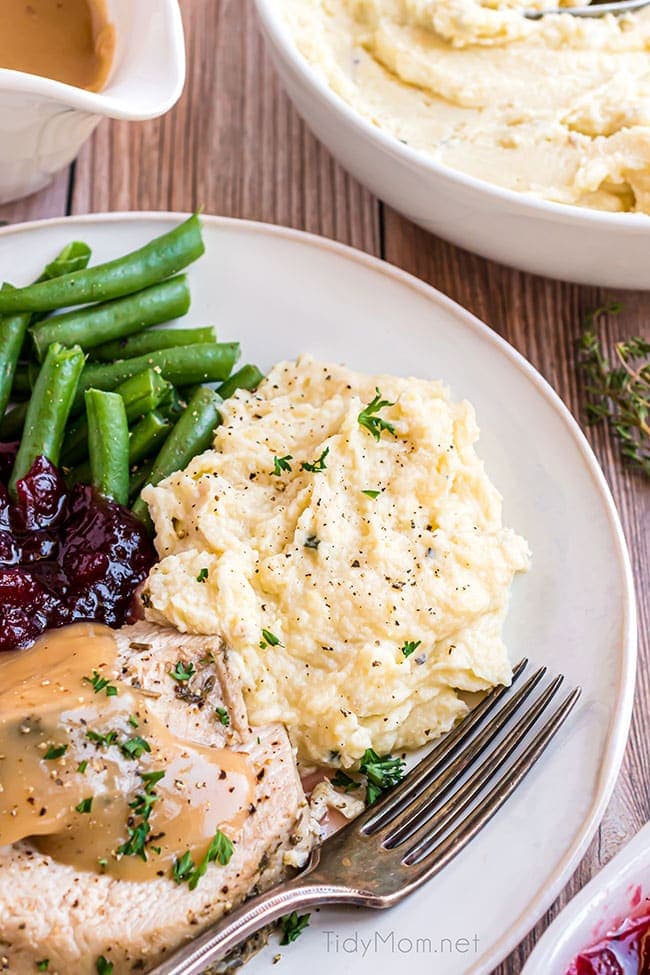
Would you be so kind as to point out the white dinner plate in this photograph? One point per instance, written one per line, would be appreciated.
(281, 293)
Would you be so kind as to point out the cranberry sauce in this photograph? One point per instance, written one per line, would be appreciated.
(624, 952)
(65, 555)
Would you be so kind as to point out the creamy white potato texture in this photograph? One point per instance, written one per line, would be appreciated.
(558, 107)
(359, 582)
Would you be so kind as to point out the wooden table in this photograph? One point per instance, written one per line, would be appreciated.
(234, 146)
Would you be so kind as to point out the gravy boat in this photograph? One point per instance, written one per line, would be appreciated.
(44, 123)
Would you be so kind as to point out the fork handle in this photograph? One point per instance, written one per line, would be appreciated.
(218, 940)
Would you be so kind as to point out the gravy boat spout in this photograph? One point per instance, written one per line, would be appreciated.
(44, 123)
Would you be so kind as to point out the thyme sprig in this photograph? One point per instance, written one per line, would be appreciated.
(619, 391)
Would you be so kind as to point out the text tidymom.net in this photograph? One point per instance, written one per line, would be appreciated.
(390, 942)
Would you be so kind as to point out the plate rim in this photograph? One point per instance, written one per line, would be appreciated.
(618, 730)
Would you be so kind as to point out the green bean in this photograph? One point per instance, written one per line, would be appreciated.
(159, 259)
(13, 328)
(191, 435)
(13, 422)
(152, 341)
(96, 324)
(141, 394)
(74, 257)
(146, 436)
(108, 444)
(181, 366)
(48, 409)
(248, 377)
(138, 479)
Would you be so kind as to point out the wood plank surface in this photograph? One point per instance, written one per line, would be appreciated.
(234, 146)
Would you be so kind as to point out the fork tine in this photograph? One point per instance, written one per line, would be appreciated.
(411, 786)
(444, 781)
(430, 858)
(462, 799)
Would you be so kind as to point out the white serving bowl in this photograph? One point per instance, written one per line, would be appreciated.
(43, 123)
(566, 242)
(621, 888)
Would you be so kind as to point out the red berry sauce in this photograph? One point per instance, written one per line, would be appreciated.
(625, 951)
(65, 555)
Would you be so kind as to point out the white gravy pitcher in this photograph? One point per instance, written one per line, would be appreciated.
(43, 123)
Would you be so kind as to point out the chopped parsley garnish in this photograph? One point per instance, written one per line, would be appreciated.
(223, 716)
(318, 465)
(42, 966)
(182, 671)
(82, 766)
(202, 576)
(151, 778)
(269, 640)
(292, 926)
(104, 740)
(312, 541)
(133, 721)
(136, 845)
(183, 868)
(99, 683)
(410, 647)
(85, 805)
(142, 804)
(371, 494)
(55, 751)
(221, 849)
(382, 772)
(134, 747)
(375, 425)
(343, 781)
(281, 464)
(104, 966)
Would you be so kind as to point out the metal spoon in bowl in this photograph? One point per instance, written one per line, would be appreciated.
(595, 9)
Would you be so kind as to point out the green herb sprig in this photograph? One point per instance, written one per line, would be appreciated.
(269, 640)
(99, 683)
(184, 870)
(182, 671)
(619, 392)
(410, 647)
(142, 805)
(54, 752)
(374, 424)
(317, 466)
(292, 926)
(281, 464)
(381, 773)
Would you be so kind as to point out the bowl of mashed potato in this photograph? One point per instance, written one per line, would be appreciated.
(526, 141)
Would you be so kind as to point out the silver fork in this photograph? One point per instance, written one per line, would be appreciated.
(414, 830)
(598, 8)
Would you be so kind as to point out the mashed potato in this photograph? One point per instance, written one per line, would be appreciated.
(357, 596)
(558, 107)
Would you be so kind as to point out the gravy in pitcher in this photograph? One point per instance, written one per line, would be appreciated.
(67, 40)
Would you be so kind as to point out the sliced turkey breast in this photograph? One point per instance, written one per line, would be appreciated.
(53, 909)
